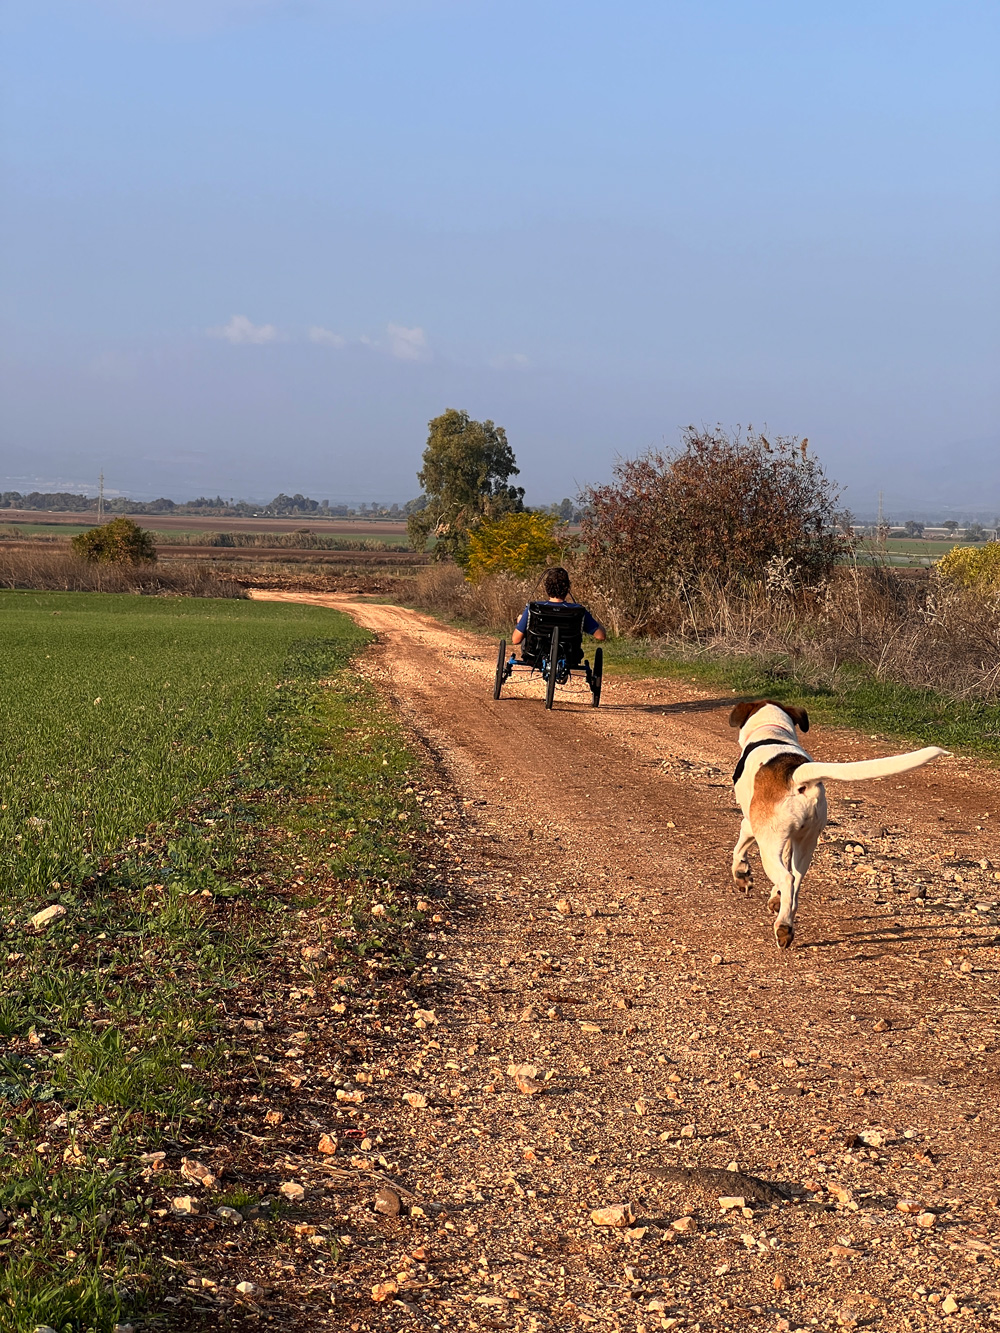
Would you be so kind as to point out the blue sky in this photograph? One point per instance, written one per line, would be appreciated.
(253, 246)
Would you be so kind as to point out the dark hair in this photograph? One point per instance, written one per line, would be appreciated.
(556, 582)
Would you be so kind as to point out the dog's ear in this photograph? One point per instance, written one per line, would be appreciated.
(798, 715)
(740, 713)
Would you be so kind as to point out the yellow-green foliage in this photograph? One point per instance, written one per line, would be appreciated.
(972, 566)
(120, 542)
(515, 544)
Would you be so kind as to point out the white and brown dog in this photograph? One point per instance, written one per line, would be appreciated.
(780, 791)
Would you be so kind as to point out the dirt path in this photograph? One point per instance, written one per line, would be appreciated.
(858, 1069)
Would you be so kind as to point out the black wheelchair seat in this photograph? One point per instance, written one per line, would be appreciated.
(543, 618)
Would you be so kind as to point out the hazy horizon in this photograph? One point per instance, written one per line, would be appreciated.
(254, 246)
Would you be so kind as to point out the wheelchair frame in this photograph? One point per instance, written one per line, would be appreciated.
(550, 654)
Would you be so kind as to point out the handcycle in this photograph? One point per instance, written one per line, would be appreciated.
(553, 646)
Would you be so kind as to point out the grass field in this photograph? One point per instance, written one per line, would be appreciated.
(305, 537)
(150, 748)
(909, 552)
(114, 712)
(56, 531)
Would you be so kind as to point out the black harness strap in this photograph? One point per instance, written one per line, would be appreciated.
(738, 772)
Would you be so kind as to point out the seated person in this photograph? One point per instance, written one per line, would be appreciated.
(556, 584)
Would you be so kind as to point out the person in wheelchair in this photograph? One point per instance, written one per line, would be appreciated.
(557, 587)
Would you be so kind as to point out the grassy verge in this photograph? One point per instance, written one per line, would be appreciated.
(119, 1052)
(848, 696)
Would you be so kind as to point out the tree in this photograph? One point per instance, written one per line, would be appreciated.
(730, 511)
(913, 529)
(120, 542)
(975, 532)
(467, 466)
(950, 527)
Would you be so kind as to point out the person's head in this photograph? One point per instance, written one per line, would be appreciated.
(556, 582)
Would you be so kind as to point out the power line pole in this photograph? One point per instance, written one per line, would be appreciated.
(100, 499)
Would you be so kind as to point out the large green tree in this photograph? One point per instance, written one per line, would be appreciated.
(465, 476)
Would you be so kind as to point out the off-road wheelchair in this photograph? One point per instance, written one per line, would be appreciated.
(553, 646)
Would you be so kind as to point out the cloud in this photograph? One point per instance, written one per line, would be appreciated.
(241, 330)
(317, 334)
(408, 344)
(510, 361)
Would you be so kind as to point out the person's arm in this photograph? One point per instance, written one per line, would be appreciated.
(520, 628)
(591, 625)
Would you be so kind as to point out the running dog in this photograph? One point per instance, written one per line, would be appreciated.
(780, 791)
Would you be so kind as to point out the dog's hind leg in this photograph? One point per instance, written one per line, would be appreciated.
(742, 875)
(784, 893)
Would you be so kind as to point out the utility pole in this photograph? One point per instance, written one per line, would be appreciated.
(100, 499)
(881, 531)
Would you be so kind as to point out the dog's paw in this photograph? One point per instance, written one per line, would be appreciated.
(774, 902)
(743, 876)
(783, 935)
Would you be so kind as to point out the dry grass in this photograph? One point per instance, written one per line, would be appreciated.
(495, 602)
(62, 571)
(918, 632)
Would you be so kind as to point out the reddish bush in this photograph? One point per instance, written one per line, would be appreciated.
(732, 512)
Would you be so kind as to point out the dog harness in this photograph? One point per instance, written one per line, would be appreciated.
(738, 772)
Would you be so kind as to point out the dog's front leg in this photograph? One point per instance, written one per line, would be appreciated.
(742, 875)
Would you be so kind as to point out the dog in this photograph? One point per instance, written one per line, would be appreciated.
(780, 791)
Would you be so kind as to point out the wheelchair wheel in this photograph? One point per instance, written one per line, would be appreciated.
(501, 663)
(595, 678)
(550, 687)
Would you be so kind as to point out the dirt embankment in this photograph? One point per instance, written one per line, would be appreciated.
(858, 1071)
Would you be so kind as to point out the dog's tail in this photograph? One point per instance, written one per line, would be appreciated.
(866, 768)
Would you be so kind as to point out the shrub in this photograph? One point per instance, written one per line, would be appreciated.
(60, 570)
(120, 542)
(722, 511)
(975, 567)
(514, 544)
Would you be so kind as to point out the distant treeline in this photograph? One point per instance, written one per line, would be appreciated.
(282, 505)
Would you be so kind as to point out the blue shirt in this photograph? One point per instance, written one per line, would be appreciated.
(589, 623)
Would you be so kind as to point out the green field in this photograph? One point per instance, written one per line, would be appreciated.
(264, 537)
(57, 531)
(909, 552)
(114, 711)
(184, 778)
